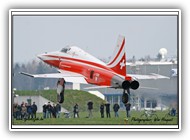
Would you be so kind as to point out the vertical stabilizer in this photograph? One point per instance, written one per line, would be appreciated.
(118, 60)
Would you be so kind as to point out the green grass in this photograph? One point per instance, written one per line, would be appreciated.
(135, 119)
(81, 97)
(71, 98)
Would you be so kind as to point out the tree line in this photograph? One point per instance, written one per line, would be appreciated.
(22, 82)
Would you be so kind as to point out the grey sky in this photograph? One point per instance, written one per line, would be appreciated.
(97, 35)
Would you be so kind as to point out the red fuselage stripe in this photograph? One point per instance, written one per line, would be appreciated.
(80, 60)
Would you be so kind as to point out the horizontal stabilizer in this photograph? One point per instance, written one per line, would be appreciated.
(148, 88)
(150, 76)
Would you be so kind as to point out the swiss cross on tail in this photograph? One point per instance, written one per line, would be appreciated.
(122, 64)
(118, 59)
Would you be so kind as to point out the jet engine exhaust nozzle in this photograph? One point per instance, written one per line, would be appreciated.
(134, 85)
(126, 84)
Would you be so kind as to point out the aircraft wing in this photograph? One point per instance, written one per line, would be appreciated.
(68, 76)
(150, 76)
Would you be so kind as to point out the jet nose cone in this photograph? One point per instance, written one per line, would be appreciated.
(43, 56)
(39, 56)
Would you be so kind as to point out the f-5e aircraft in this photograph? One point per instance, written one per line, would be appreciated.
(77, 66)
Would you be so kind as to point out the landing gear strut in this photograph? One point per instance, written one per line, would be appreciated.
(125, 96)
(61, 97)
(60, 90)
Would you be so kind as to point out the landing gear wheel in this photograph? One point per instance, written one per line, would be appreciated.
(125, 98)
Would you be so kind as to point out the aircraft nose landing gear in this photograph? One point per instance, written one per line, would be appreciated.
(61, 97)
(60, 90)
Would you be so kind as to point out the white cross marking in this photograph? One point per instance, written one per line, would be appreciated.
(122, 64)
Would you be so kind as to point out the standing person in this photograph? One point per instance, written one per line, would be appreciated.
(49, 110)
(19, 111)
(34, 110)
(90, 107)
(29, 110)
(173, 112)
(60, 90)
(116, 109)
(44, 110)
(102, 110)
(15, 110)
(23, 112)
(108, 110)
(22, 103)
(58, 110)
(76, 111)
(128, 106)
(54, 111)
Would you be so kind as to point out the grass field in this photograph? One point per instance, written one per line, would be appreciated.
(161, 118)
(81, 97)
(71, 98)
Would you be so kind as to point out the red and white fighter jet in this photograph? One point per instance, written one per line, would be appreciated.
(77, 66)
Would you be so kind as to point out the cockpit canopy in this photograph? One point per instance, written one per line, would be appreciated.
(66, 49)
(75, 52)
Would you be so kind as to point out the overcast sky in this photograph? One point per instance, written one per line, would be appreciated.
(97, 35)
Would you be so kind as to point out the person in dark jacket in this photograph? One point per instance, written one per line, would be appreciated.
(54, 111)
(44, 110)
(29, 111)
(102, 110)
(128, 106)
(58, 110)
(49, 110)
(108, 110)
(116, 109)
(90, 107)
(76, 111)
(34, 110)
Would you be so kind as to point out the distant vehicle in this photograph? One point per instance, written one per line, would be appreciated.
(46, 88)
(77, 66)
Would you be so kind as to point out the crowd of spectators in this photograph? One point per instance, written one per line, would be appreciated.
(107, 108)
(28, 111)
(24, 110)
(51, 111)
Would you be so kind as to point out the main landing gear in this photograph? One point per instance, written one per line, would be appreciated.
(125, 96)
(127, 85)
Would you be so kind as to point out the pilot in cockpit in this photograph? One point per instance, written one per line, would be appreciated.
(73, 51)
(66, 49)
